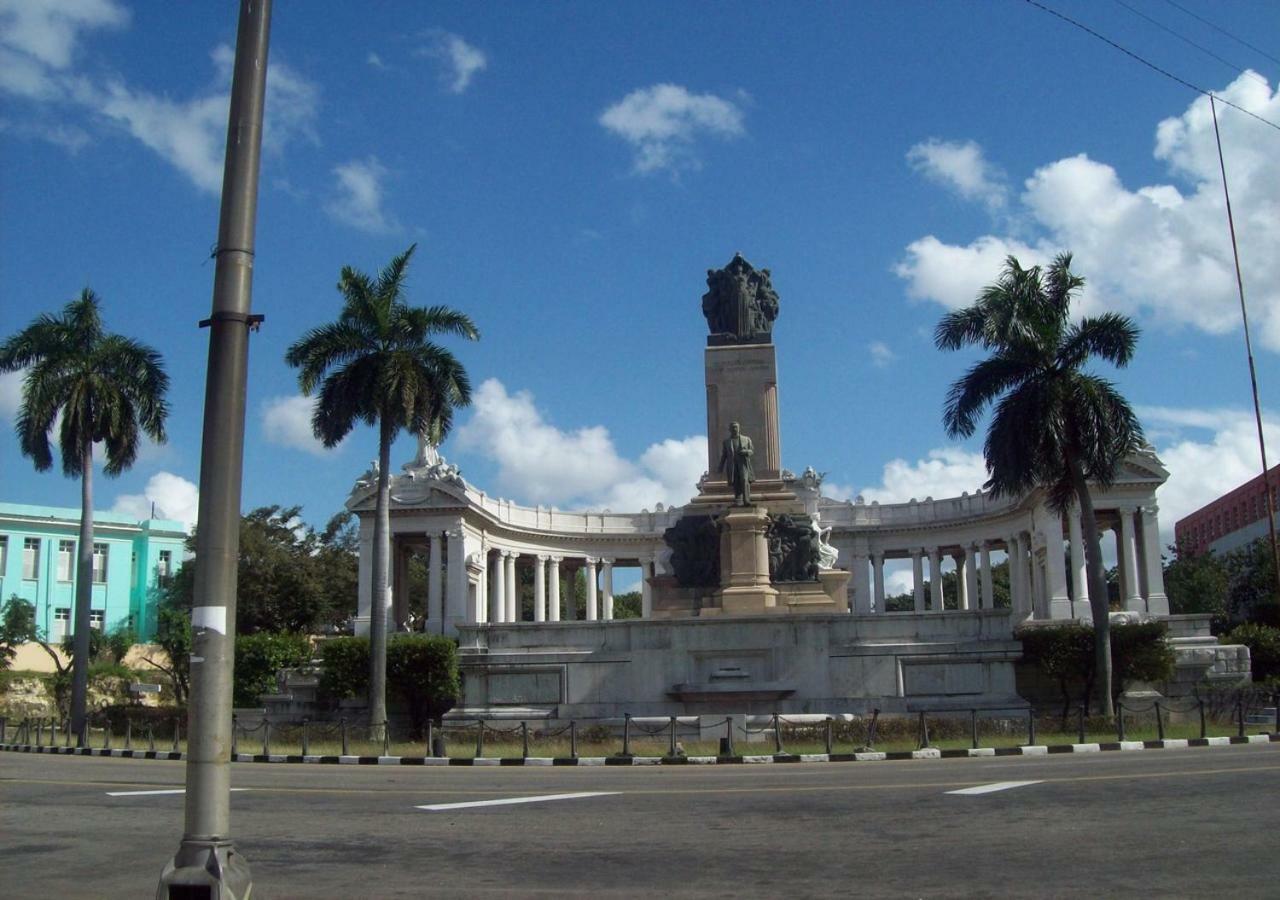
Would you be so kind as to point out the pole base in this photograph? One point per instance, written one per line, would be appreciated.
(206, 870)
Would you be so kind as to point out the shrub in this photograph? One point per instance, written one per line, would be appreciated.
(422, 673)
(344, 667)
(1065, 654)
(260, 656)
(1263, 642)
(1139, 652)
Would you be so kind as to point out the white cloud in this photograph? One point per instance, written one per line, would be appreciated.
(286, 422)
(375, 60)
(881, 354)
(47, 30)
(961, 167)
(459, 60)
(1156, 251)
(11, 393)
(358, 196)
(946, 472)
(174, 498)
(71, 138)
(540, 463)
(662, 122)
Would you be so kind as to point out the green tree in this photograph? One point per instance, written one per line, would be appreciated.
(95, 387)
(17, 626)
(1196, 582)
(1251, 592)
(1055, 426)
(378, 364)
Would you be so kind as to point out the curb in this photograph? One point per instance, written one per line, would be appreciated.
(768, 759)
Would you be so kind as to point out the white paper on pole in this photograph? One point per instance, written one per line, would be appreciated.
(213, 618)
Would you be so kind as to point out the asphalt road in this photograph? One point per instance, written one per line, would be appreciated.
(1170, 823)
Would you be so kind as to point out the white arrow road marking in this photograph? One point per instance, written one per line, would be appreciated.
(508, 801)
(152, 793)
(993, 787)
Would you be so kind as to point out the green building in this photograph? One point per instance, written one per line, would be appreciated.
(130, 560)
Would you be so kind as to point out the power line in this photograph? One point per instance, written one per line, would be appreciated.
(1205, 50)
(1150, 65)
(1223, 30)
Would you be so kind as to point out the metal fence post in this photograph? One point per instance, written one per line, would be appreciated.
(40, 732)
(1275, 708)
(479, 738)
(973, 727)
(235, 735)
(386, 738)
(1080, 722)
(671, 748)
(573, 738)
(177, 732)
(1240, 715)
(128, 734)
(431, 743)
(1200, 704)
(828, 734)
(1031, 726)
(346, 749)
(266, 736)
(1120, 721)
(626, 734)
(524, 740)
(151, 737)
(106, 734)
(871, 729)
(923, 731)
(306, 743)
(1159, 722)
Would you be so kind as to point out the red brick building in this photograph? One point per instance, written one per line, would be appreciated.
(1233, 520)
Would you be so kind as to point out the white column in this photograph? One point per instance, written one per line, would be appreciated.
(513, 608)
(553, 589)
(1079, 567)
(539, 588)
(970, 596)
(988, 590)
(646, 589)
(1157, 601)
(877, 578)
(936, 601)
(917, 580)
(455, 596)
(962, 580)
(497, 590)
(364, 577)
(435, 594)
(606, 576)
(1017, 577)
(591, 588)
(861, 585)
(1129, 563)
(1057, 600)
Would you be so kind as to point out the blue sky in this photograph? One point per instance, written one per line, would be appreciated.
(570, 171)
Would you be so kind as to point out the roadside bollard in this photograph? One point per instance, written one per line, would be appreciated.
(346, 750)
(66, 734)
(53, 732)
(40, 732)
(479, 738)
(671, 745)
(626, 734)
(431, 739)
(1120, 722)
(777, 735)
(1031, 727)
(923, 735)
(84, 734)
(386, 738)
(151, 737)
(1200, 704)
(524, 740)
(266, 737)
(1275, 706)
(871, 729)
(828, 734)
(306, 742)
(973, 727)
(4, 728)
(128, 734)
(1239, 715)
(177, 733)
(1159, 723)
(727, 750)
(235, 736)
(573, 738)
(1080, 722)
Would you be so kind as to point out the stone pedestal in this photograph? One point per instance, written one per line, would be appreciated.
(742, 387)
(744, 562)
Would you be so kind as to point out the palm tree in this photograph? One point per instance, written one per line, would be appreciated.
(377, 364)
(103, 388)
(1054, 426)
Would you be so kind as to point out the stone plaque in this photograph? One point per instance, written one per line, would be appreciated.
(521, 688)
(941, 678)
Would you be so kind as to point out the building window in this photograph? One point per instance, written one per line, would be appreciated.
(164, 568)
(66, 553)
(31, 558)
(61, 623)
(99, 563)
(96, 618)
(4, 553)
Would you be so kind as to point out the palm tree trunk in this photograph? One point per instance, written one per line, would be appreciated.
(84, 596)
(1099, 604)
(381, 580)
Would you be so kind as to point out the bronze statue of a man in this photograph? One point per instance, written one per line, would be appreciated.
(735, 463)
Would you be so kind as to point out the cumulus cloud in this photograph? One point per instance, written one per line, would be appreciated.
(662, 122)
(39, 37)
(1157, 251)
(946, 472)
(11, 393)
(174, 498)
(880, 353)
(540, 463)
(286, 422)
(459, 61)
(962, 167)
(358, 195)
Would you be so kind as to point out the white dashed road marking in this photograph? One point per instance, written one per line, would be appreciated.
(508, 801)
(153, 793)
(993, 787)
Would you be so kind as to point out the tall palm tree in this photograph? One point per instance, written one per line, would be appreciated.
(377, 364)
(103, 388)
(1054, 426)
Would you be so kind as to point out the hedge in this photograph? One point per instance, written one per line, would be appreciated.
(260, 656)
(1263, 642)
(422, 672)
